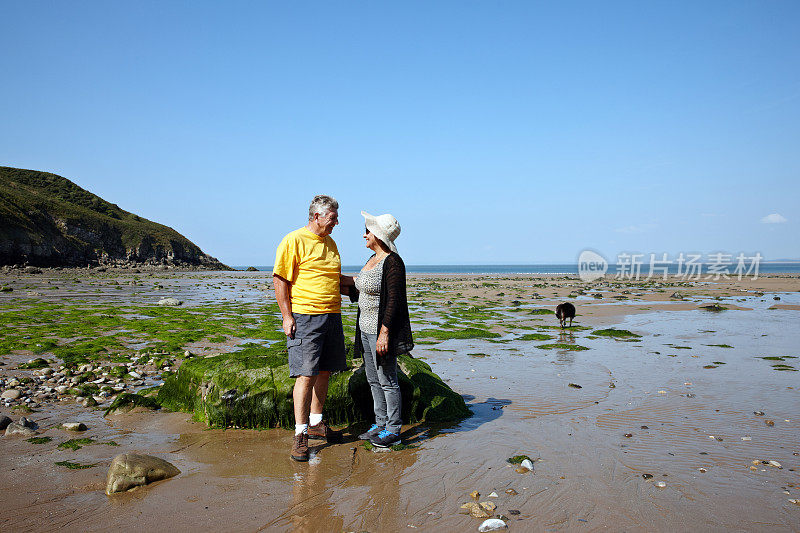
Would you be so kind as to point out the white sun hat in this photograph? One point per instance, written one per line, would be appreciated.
(385, 227)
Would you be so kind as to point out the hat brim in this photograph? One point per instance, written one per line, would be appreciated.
(372, 225)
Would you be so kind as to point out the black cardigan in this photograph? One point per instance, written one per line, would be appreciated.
(392, 309)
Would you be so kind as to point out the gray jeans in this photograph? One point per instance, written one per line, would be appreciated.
(382, 380)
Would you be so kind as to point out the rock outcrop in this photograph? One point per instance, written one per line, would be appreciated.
(46, 220)
(255, 391)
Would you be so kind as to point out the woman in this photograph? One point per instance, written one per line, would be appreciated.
(383, 328)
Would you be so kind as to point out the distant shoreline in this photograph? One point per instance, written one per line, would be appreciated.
(765, 267)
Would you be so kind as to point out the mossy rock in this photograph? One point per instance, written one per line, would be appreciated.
(252, 389)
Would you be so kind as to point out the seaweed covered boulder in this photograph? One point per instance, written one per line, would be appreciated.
(252, 389)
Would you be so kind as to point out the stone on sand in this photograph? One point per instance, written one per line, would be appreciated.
(11, 394)
(475, 510)
(492, 524)
(130, 470)
(4, 422)
(174, 302)
(15, 428)
(74, 426)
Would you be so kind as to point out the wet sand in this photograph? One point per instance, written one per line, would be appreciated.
(680, 418)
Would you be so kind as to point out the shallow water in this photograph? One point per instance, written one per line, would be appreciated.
(588, 473)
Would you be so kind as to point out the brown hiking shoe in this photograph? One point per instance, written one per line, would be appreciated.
(322, 432)
(300, 447)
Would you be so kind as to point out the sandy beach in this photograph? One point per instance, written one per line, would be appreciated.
(687, 401)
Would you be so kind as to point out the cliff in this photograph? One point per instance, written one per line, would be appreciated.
(46, 220)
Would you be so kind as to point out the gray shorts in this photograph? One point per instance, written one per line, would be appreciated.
(318, 345)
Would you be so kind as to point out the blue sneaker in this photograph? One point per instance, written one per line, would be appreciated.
(371, 432)
(385, 438)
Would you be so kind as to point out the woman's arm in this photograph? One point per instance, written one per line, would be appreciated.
(395, 275)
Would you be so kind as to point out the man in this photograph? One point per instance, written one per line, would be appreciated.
(307, 278)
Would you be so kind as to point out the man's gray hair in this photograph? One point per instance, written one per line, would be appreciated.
(322, 204)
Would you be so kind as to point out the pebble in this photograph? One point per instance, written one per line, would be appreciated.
(703, 470)
(647, 476)
(770, 423)
(660, 484)
(475, 510)
(11, 394)
(89, 402)
(74, 426)
(4, 422)
(492, 524)
(511, 492)
(475, 494)
(489, 506)
(526, 464)
(513, 512)
(776, 464)
(747, 438)
(170, 301)
(493, 495)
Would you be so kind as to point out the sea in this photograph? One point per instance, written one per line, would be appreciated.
(765, 267)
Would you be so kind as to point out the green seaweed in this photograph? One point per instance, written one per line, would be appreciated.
(74, 466)
(129, 400)
(254, 390)
(517, 459)
(39, 440)
(36, 363)
(466, 333)
(76, 444)
(535, 337)
(720, 345)
(615, 333)
(541, 311)
(562, 346)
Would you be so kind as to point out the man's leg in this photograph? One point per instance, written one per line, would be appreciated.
(320, 392)
(303, 393)
(317, 429)
(332, 359)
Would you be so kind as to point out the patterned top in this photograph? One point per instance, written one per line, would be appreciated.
(368, 284)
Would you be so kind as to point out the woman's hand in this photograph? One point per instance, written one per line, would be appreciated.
(382, 344)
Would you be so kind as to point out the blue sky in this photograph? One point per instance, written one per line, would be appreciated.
(496, 132)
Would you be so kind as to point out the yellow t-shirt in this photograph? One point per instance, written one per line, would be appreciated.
(312, 265)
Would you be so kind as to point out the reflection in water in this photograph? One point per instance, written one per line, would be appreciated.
(311, 509)
(566, 336)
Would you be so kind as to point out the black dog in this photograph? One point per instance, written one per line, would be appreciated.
(565, 311)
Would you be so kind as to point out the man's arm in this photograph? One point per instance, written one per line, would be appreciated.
(283, 293)
(345, 282)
